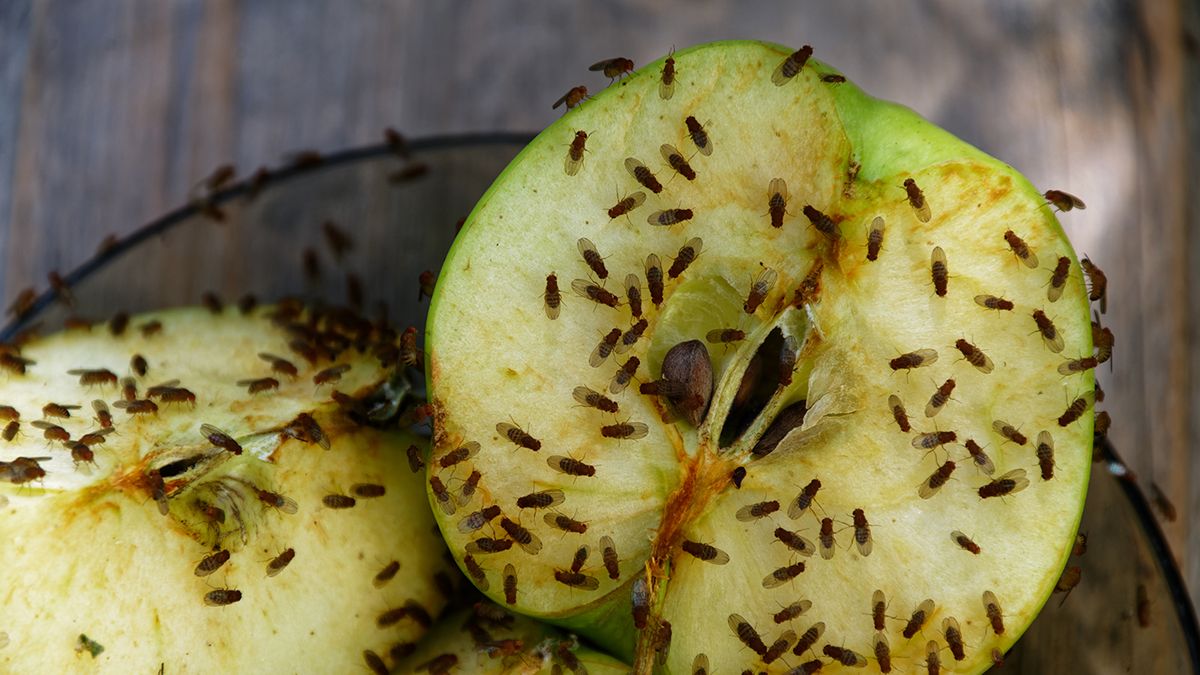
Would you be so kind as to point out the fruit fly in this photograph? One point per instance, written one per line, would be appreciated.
(759, 289)
(259, 385)
(95, 437)
(415, 461)
(875, 238)
(276, 501)
(669, 217)
(787, 359)
(510, 582)
(883, 652)
(331, 375)
(477, 519)
(823, 223)
(666, 86)
(572, 98)
(609, 555)
(9, 413)
(1073, 366)
(212, 563)
(426, 283)
(640, 601)
(633, 293)
(939, 398)
(336, 501)
(442, 495)
(979, 457)
(916, 199)
(220, 439)
(686, 256)
(993, 302)
(1064, 201)
(576, 580)
(10, 430)
(676, 161)
(932, 439)
(564, 523)
(279, 364)
(699, 136)
(991, 607)
(574, 160)
(747, 634)
(833, 78)
(1045, 454)
(862, 534)
(306, 430)
(222, 597)
(791, 66)
(919, 616)
(58, 410)
(804, 500)
(368, 490)
(779, 646)
(518, 436)
(1013, 481)
(594, 292)
(846, 657)
(706, 552)
(1097, 283)
(825, 538)
(933, 658)
(605, 347)
(80, 452)
(1010, 432)
(654, 278)
(1050, 335)
(954, 637)
(794, 541)
(752, 512)
(725, 335)
(1075, 410)
(518, 533)
(594, 399)
(974, 355)
(965, 542)
(642, 175)
(939, 271)
(592, 257)
(808, 639)
(1021, 249)
(878, 609)
(935, 482)
(916, 359)
(623, 375)
(613, 68)
(552, 296)
(570, 466)
(1068, 581)
(630, 337)
(580, 559)
(23, 302)
(624, 206)
(52, 432)
(792, 611)
(1058, 278)
(458, 455)
(93, 377)
(899, 413)
(625, 430)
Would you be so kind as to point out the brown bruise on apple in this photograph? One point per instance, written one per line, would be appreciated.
(497, 357)
(89, 551)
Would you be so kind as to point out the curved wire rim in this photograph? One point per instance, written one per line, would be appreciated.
(1115, 466)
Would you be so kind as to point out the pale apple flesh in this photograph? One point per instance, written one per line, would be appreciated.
(865, 332)
(287, 557)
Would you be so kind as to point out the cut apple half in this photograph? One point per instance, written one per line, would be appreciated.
(157, 516)
(774, 350)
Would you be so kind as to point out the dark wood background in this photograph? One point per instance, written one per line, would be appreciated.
(111, 109)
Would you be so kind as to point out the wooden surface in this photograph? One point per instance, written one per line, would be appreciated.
(110, 110)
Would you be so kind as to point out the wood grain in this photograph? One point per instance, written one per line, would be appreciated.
(111, 110)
